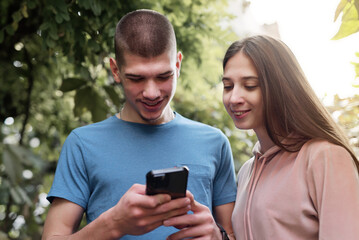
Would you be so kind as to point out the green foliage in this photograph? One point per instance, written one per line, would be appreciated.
(346, 110)
(350, 18)
(55, 76)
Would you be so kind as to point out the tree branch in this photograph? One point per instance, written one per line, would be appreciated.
(28, 97)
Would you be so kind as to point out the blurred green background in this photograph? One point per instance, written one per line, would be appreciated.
(54, 77)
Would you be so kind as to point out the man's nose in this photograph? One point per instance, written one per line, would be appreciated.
(151, 90)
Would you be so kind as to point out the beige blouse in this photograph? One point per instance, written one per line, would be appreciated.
(310, 194)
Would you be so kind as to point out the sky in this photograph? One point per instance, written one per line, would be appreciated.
(307, 27)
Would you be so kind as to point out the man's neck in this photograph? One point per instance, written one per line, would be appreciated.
(128, 116)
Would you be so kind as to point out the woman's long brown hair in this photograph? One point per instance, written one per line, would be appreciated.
(292, 109)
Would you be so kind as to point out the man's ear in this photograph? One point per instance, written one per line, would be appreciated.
(178, 63)
(115, 71)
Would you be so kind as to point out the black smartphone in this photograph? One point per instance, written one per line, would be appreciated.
(172, 181)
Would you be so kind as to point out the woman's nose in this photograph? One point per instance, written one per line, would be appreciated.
(237, 95)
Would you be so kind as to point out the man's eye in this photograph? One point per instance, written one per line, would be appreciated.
(164, 78)
(135, 79)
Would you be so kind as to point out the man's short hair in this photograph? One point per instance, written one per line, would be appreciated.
(145, 33)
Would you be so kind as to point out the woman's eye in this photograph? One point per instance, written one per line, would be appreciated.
(251, 87)
(227, 87)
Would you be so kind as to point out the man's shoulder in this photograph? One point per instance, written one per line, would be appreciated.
(95, 127)
(198, 125)
(201, 129)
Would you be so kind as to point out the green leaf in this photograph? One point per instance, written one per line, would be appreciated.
(44, 26)
(12, 163)
(58, 18)
(98, 106)
(85, 73)
(50, 43)
(85, 4)
(89, 99)
(26, 157)
(31, 4)
(347, 28)
(356, 4)
(82, 97)
(4, 190)
(69, 84)
(113, 95)
(340, 8)
(60, 5)
(15, 195)
(96, 7)
(93, 45)
(53, 32)
(10, 30)
(65, 16)
(23, 195)
(17, 16)
(15, 26)
(24, 11)
(350, 13)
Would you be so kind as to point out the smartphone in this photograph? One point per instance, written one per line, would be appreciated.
(172, 181)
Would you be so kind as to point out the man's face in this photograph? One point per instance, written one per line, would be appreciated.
(149, 85)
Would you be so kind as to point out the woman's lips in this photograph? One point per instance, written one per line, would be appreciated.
(240, 114)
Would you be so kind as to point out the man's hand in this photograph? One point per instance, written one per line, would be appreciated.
(136, 213)
(199, 225)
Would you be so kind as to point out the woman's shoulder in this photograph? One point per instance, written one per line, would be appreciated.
(246, 169)
(318, 151)
(319, 145)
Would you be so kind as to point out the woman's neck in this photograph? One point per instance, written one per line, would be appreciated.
(264, 140)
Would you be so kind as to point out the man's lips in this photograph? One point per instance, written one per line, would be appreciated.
(152, 105)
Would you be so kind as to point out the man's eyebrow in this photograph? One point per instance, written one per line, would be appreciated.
(132, 75)
(166, 73)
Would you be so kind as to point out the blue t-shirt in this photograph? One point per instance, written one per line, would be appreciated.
(101, 161)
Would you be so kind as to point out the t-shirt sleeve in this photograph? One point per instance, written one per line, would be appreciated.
(71, 179)
(334, 189)
(224, 189)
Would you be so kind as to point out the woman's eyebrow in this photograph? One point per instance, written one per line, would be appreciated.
(250, 78)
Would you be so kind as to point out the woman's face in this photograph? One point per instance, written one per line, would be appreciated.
(242, 96)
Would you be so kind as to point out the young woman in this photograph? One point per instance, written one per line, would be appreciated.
(302, 182)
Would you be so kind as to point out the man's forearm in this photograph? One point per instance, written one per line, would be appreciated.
(101, 228)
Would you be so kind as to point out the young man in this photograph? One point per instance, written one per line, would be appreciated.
(101, 164)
